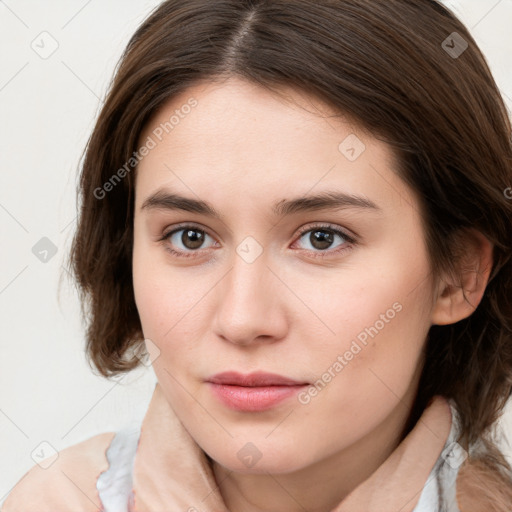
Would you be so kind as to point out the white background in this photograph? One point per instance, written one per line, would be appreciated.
(47, 110)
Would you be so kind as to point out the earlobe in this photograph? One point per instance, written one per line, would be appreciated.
(458, 298)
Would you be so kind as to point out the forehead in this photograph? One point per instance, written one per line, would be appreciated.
(220, 140)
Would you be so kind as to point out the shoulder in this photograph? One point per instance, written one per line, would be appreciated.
(481, 487)
(484, 479)
(69, 483)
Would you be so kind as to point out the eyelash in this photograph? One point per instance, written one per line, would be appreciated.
(351, 241)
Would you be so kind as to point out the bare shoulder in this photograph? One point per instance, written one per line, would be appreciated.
(68, 484)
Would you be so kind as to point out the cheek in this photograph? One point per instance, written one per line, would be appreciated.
(156, 301)
(166, 299)
(388, 296)
(378, 321)
(160, 304)
(370, 366)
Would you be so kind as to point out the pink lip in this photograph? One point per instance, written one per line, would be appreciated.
(254, 392)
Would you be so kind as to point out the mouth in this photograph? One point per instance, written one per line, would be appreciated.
(253, 392)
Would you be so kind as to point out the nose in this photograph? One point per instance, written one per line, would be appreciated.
(251, 304)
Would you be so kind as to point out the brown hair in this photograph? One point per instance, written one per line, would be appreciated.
(397, 69)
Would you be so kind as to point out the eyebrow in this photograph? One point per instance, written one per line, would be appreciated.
(332, 200)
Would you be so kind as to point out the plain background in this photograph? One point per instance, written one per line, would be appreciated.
(48, 104)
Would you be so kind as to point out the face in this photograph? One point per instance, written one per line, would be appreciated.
(331, 294)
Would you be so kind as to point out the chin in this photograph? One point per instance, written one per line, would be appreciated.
(253, 459)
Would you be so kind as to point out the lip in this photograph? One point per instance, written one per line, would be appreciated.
(253, 379)
(253, 392)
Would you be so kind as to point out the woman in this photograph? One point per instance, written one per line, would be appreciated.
(300, 210)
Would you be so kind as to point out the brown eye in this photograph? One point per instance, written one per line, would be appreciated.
(188, 239)
(192, 238)
(321, 239)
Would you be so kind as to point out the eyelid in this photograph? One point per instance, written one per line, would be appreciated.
(347, 235)
(183, 225)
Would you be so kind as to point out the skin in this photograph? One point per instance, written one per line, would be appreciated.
(243, 149)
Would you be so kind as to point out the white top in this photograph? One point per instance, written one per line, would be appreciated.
(115, 484)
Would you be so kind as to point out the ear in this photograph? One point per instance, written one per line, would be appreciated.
(473, 268)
